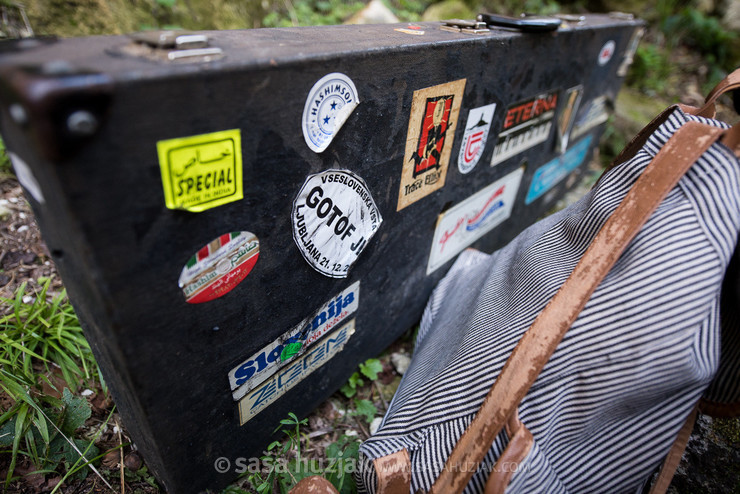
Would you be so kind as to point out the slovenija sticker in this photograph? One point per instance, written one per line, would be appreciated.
(607, 52)
(219, 266)
(201, 172)
(334, 217)
(526, 124)
(277, 354)
(474, 139)
(567, 116)
(328, 105)
(434, 113)
(466, 222)
(286, 378)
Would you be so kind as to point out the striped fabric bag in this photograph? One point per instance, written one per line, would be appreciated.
(570, 360)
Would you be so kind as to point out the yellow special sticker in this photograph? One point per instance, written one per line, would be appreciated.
(201, 172)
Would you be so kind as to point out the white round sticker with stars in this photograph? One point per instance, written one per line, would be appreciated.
(328, 105)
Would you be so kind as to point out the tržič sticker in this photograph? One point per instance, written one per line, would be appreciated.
(219, 266)
(328, 105)
(434, 115)
(201, 172)
(334, 217)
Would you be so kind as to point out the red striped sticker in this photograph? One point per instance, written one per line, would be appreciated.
(219, 266)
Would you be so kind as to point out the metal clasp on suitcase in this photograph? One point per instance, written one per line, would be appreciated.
(179, 45)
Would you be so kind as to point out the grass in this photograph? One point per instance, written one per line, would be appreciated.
(43, 354)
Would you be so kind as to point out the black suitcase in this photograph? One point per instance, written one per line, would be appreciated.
(241, 217)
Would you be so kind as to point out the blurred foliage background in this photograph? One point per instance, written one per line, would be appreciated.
(679, 29)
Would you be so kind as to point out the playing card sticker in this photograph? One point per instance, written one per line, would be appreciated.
(526, 124)
(434, 114)
(328, 105)
(474, 139)
(567, 116)
(201, 172)
(294, 343)
(219, 266)
(466, 222)
(334, 217)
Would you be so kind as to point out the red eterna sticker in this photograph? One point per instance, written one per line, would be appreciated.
(219, 266)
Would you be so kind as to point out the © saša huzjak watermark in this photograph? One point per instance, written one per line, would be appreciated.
(319, 466)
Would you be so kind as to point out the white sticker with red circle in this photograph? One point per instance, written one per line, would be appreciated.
(219, 266)
(607, 52)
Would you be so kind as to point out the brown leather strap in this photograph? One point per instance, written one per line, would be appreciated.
(315, 484)
(520, 443)
(539, 342)
(394, 473)
(674, 455)
(729, 83)
(731, 139)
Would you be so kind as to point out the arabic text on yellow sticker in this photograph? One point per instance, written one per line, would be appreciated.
(201, 172)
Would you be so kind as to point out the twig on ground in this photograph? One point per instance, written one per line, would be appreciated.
(120, 443)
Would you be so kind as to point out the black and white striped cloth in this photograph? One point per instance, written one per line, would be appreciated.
(608, 405)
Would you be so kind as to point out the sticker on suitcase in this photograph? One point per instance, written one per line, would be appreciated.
(567, 116)
(474, 139)
(526, 124)
(294, 343)
(606, 53)
(26, 178)
(593, 114)
(552, 172)
(201, 172)
(629, 55)
(288, 377)
(466, 222)
(434, 115)
(328, 105)
(334, 217)
(219, 266)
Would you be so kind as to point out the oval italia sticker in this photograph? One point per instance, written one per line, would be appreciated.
(334, 217)
(219, 266)
(328, 105)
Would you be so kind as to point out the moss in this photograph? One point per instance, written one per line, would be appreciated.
(727, 430)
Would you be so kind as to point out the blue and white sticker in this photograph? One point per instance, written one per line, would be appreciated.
(259, 367)
(466, 222)
(288, 377)
(328, 105)
(552, 172)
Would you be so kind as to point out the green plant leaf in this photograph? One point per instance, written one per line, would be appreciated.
(366, 409)
(76, 412)
(371, 368)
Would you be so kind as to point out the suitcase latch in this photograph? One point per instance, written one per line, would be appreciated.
(176, 46)
(463, 26)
